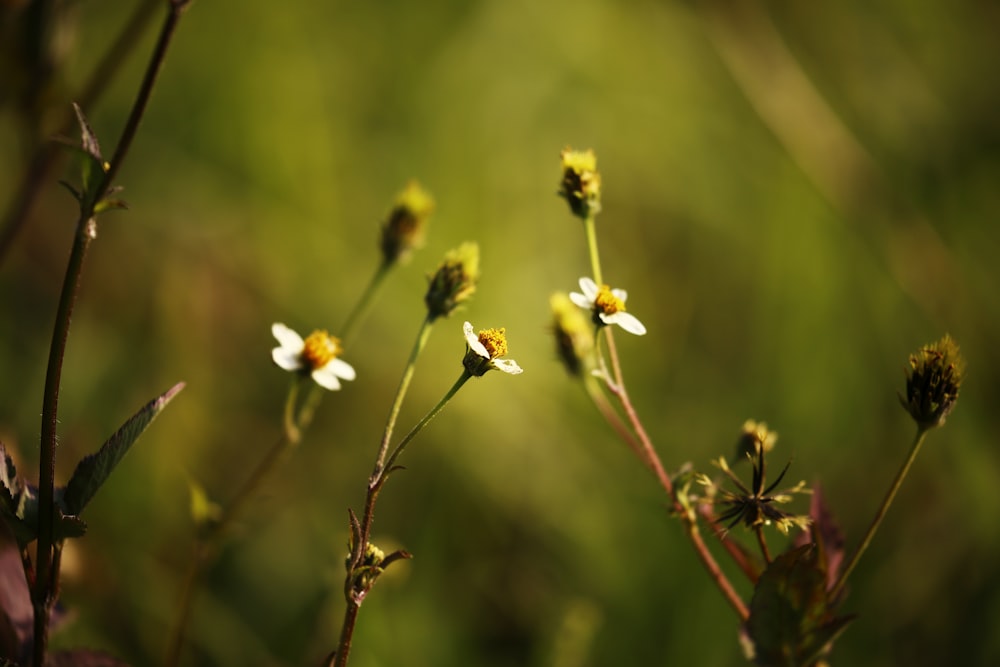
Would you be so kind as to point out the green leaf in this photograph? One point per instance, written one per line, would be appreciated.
(93, 470)
(791, 616)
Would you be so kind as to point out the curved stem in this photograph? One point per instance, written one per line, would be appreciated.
(46, 575)
(617, 387)
(404, 384)
(46, 153)
(423, 422)
(880, 513)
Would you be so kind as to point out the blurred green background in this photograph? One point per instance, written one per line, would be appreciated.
(796, 195)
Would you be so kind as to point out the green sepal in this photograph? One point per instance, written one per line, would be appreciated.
(791, 619)
(94, 470)
(92, 164)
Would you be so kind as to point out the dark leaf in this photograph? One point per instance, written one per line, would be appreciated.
(791, 619)
(18, 502)
(93, 470)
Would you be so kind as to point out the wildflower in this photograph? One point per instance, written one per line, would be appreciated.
(454, 281)
(574, 335)
(316, 356)
(755, 506)
(581, 182)
(483, 350)
(607, 305)
(932, 381)
(403, 231)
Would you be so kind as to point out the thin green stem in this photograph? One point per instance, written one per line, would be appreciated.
(595, 261)
(383, 468)
(463, 378)
(364, 303)
(880, 514)
(397, 403)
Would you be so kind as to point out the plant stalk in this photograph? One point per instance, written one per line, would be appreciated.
(880, 514)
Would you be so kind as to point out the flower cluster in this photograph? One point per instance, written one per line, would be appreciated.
(581, 183)
(483, 351)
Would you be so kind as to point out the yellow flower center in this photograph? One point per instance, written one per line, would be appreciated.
(606, 302)
(320, 349)
(494, 341)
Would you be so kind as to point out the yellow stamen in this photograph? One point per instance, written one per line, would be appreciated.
(494, 341)
(606, 302)
(320, 349)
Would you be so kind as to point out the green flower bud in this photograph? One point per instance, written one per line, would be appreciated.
(454, 281)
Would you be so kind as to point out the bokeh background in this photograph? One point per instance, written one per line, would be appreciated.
(796, 195)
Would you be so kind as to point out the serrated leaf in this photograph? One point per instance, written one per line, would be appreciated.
(94, 470)
(791, 618)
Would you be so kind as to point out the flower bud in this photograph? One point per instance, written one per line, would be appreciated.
(581, 183)
(403, 231)
(932, 381)
(454, 281)
(574, 335)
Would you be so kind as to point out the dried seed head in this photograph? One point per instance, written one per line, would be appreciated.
(932, 382)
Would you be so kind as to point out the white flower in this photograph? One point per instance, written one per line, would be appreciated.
(316, 356)
(484, 349)
(607, 305)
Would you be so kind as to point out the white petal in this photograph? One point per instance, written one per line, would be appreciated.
(286, 358)
(287, 337)
(507, 366)
(626, 321)
(581, 300)
(326, 378)
(620, 294)
(589, 288)
(473, 340)
(341, 369)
